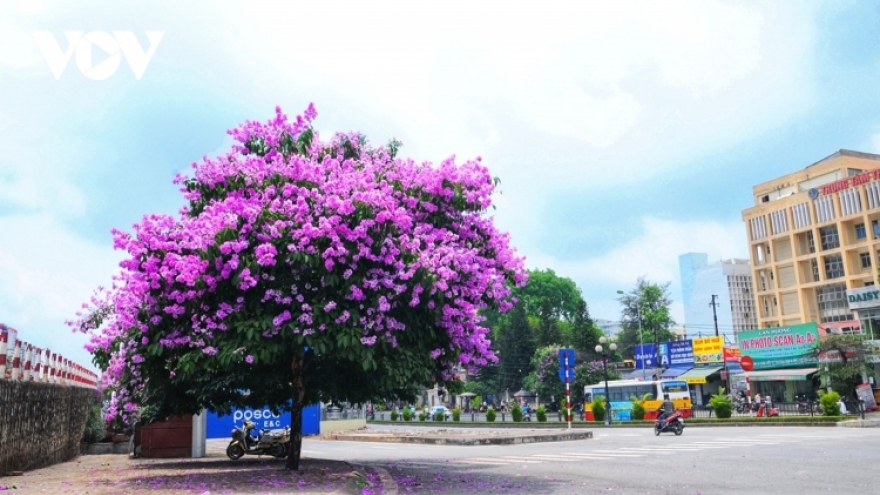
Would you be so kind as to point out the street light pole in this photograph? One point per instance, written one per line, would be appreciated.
(601, 350)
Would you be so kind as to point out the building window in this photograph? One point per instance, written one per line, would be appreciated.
(831, 301)
(875, 226)
(829, 237)
(833, 266)
(815, 266)
(861, 233)
(866, 260)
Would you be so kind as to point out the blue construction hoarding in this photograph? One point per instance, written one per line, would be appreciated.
(221, 426)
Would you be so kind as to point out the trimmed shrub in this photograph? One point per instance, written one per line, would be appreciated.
(517, 414)
(407, 414)
(638, 410)
(438, 416)
(456, 414)
(830, 407)
(541, 414)
(598, 408)
(96, 429)
(721, 404)
(490, 415)
(423, 416)
(393, 415)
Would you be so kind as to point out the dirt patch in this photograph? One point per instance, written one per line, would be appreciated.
(211, 475)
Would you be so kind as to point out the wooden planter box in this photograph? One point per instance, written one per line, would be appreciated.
(172, 438)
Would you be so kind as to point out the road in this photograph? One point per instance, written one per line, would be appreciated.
(704, 461)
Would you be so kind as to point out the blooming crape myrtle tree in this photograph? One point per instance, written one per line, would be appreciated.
(301, 271)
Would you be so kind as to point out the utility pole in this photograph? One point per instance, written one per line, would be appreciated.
(714, 314)
(723, 361)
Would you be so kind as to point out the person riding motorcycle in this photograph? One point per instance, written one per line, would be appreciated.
(665, 409)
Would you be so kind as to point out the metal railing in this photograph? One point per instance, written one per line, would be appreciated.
(799, 408)
(342, 413)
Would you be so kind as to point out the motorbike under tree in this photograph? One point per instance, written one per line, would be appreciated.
(673, 423)
(270, 442)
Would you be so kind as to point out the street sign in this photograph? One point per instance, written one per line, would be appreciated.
(563, 353)
(747, 363)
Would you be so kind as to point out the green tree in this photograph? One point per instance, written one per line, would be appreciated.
(516, 345)
(549, 298)
(647, 305)
(844, 362)
(584, 333)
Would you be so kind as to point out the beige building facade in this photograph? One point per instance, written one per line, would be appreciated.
(813, 235)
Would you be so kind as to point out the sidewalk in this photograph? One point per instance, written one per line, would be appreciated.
(215, 474)
(872, 420)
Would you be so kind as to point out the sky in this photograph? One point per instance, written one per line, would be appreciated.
(624, 133)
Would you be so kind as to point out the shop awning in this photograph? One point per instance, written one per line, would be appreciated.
(673, 372)
(789, 375)
(698, 375)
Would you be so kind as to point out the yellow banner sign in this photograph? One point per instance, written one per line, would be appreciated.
(708, 350)
(696, 380)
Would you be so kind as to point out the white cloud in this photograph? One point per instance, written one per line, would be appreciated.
(48, 272)
(635, 79)
(653, 254)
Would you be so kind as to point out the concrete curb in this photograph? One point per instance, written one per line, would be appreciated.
(862, 423)
(446, 440)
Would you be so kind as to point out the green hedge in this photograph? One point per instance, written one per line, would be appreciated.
(754, 419)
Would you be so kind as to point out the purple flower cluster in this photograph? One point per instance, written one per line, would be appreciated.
(400, 234)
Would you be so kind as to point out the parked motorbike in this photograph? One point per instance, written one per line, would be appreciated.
(269, 442)
(742, 405)
(802, 404)
(674, 423)
(765, 410)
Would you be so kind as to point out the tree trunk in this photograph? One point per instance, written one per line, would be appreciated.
(293, 457)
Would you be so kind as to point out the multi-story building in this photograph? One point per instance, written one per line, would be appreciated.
(731, 281)
(813, 235)
(608, 327)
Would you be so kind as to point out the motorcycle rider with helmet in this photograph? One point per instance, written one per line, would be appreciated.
(665, 409)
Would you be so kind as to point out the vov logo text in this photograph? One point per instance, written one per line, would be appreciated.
(82, 45)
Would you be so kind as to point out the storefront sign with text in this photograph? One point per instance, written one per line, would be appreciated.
(780, 347)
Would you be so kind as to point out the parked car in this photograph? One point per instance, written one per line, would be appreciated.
(440, 409)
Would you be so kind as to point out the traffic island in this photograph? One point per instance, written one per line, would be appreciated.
(460, 437)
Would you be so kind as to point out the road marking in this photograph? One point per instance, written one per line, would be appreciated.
(551, 457)
(664, 449)
(488, 463)
(598, 453)
(522, 458)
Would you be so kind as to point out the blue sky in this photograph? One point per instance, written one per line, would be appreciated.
(624, 133)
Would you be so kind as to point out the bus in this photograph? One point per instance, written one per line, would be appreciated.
(620, 391)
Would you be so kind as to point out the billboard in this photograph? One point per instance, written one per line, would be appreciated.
(708, 350)
(645, 353)
(674, 354)
(781, 347)
(681, 353)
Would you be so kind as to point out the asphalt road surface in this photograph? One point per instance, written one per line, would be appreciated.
(704, 461)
